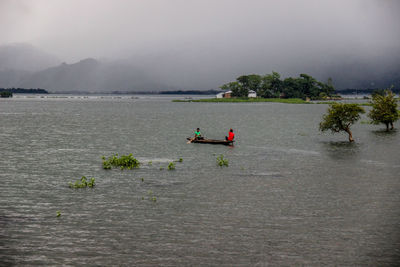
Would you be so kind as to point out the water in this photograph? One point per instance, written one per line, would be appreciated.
(290, 196)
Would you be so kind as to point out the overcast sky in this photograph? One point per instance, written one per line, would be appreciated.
(235, 36)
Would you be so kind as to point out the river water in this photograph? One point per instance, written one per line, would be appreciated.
(290, 196)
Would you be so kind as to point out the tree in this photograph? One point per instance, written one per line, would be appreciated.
(254, 82)
(291, 88)
(236, 88)
(340, 117)
(271, 85)
(244, 83)
(384, 109)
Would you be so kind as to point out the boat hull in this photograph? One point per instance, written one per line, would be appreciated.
(212, 141)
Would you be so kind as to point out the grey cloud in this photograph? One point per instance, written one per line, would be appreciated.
(202, 44)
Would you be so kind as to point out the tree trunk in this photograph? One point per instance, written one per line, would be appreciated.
(350, 135)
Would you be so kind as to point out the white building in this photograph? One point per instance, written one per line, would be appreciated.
(228, 94)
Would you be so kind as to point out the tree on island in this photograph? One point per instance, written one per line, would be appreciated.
(271, 86)
(384, 109)
(340, 117)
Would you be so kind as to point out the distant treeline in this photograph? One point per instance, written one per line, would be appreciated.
(364, 91)
(24, 91)
(272, 86)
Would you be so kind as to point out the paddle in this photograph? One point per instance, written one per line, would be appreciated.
(190, 140)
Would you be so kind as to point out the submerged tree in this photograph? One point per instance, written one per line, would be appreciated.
(384, 109)
(340, 117)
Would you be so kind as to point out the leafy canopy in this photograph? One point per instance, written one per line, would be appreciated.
(272, 86)
(340, 117)
(384, 108)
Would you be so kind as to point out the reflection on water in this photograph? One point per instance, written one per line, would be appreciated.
(290, 196)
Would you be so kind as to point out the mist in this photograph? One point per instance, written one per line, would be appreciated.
(203, 44)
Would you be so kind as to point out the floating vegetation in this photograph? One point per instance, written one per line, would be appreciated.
(124, 162)
(221, 161)
(180, 160)
(58, 213)
(142, 179)
(150, 163)
(161, 168)
(171, 166)
(83, 183)
(151, 196)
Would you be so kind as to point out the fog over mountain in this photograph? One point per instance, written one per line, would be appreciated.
(185, 44)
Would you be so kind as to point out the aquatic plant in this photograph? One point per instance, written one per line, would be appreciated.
(83, 183)
(124, 162)
(161, 168)
(171, 166)
(58, 213)
(150, 163)
(142, 179)
(221, 161)
(151, 196)
(180, 159)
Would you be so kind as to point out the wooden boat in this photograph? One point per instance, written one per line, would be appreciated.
(211, 141)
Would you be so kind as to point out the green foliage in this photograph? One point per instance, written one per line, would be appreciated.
(180, 160)
(171, 166)
(271, 86)
(124, 162)
(151, 196)
(384, 109)
(6, 94)
(377, 92)
(83, 183)
(221, 161)
(236, 88)
(340, 117)
(58, 213)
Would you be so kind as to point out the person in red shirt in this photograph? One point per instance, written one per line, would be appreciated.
(231, 135)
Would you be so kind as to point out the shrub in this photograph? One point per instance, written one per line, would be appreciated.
(124, 162)
(171, 166)
(83, 183)
(221, 161)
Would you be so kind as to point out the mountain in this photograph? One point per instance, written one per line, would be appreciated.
(25, 57)
(90, 75)
(27, 67)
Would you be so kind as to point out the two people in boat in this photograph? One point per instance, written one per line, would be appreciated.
(198, 136)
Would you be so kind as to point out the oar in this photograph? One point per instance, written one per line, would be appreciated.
(190, 140)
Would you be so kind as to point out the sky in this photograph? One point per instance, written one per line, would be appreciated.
(201, 38)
